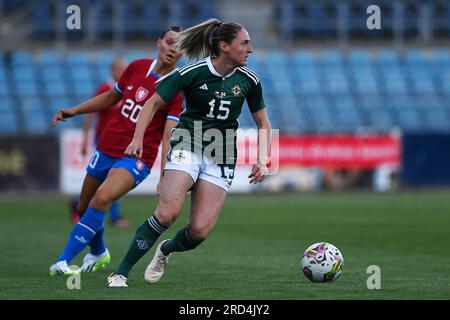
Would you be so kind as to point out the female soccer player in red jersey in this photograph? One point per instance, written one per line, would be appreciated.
(111, 174)
(118, 66)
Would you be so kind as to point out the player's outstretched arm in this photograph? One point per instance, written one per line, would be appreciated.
(149, 109)
(259, 170)
(97, 103)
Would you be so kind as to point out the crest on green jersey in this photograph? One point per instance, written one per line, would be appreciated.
(236, 90)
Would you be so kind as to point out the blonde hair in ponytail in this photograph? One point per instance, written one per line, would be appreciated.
(202, 40)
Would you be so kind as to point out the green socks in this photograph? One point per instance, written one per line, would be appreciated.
(181, 242)
(146, 235)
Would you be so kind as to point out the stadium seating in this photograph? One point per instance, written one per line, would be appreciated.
(305, 91)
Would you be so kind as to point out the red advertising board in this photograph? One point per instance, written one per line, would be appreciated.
(339, 151)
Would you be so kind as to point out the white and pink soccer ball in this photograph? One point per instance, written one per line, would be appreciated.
(322, 262)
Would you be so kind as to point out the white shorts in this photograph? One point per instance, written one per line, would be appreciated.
(205, 168)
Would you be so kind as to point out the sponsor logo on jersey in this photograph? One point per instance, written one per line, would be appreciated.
(130, 87)
(141, 94)
(236, 90)
(203, 87)
(220, 95)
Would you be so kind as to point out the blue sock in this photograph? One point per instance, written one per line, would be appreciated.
(97, 243)
(114, 211)
(83, 232)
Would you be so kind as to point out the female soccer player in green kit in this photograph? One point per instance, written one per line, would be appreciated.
(214, 89)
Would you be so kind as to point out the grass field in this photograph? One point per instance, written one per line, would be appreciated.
(254, 252)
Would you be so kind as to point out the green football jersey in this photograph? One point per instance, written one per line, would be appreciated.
(213, 104)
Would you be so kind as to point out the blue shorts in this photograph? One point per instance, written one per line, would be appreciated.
(101, 163)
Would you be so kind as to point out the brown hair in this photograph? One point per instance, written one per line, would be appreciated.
(172, 28)
(203, 39)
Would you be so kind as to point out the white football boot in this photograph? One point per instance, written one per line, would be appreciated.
(155, 269)
(61, 268)
(117, 280)
(93, 263)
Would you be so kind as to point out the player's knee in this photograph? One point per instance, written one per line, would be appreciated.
(199, 233)
(166, 215)
(101, 201)
(167, 211)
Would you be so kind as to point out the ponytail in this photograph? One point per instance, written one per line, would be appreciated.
(202, 40)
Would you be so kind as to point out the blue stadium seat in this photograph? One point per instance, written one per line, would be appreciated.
(283, 86)
(8, 123)
(394, 84)
(365, 84)
(422, 85)
(4, 88)
(436, 119)
(3, 72)
(82, 88)
(309, 85)
(409, 120)
(105, 58)
(55, 89)
(136, 54)
(77, 59)
(7, 105)
(415, 57)
(360, 58)
(30, 105)
(443, 83)
(380, 119)
(336, 84)
(276, 59)
(346, 112)
(321, 112)
(441, 57)
(26, 88)
(303, 58)
(57, 103)
(331, 57)
(21, 58)
(387, 57)
(306, 70)
(50, 59)
(426, 102)
(53, 74)
(36, 122)
(81, 73)
(23, 72)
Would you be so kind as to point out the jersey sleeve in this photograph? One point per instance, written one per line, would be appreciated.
(170, 85)
(101, 89)
(174, 108)
(121, 84)
(255, 98)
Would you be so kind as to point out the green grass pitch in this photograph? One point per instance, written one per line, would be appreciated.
(254, 252)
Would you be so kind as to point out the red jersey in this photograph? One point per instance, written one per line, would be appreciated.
(105, 115)
(137, 85)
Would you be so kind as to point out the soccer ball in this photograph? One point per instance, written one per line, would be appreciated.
(322, 262)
